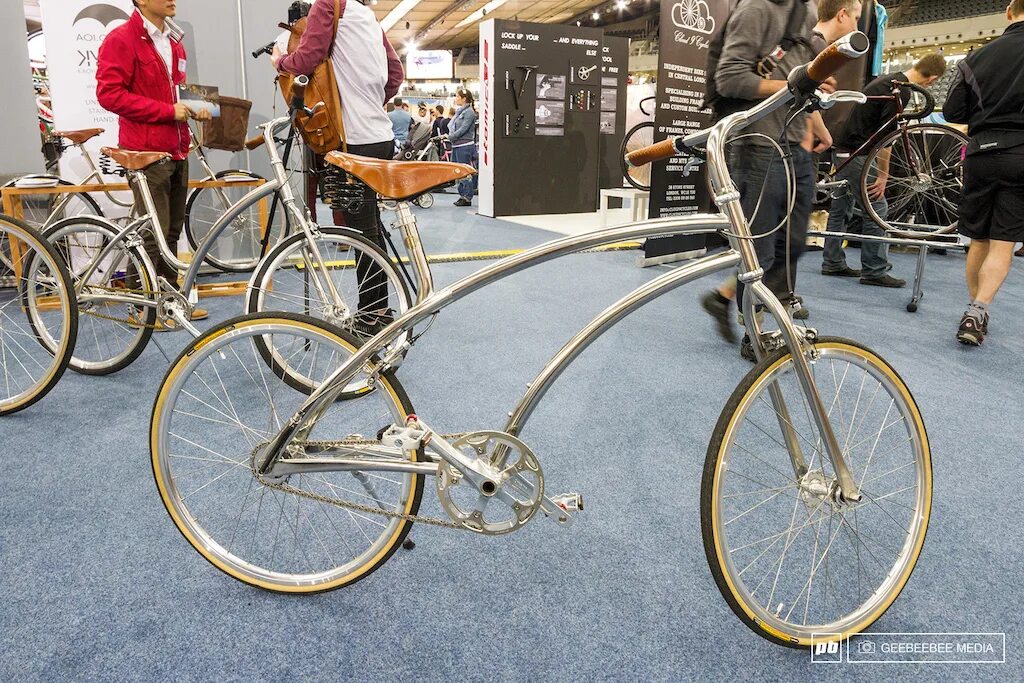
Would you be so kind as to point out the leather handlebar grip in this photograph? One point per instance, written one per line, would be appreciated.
(254, 142)
(299, 92)
(656, 152)
(836, 55)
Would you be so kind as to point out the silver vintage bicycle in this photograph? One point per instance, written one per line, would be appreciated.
(816, 491)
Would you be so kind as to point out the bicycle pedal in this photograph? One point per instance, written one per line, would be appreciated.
(558, 507)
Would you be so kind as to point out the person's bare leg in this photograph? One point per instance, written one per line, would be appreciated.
(994, 270)
(975, 258)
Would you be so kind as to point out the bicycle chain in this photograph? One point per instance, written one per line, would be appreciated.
(445, 523)
(127, 321)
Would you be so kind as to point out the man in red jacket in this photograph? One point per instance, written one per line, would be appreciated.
(140, 65)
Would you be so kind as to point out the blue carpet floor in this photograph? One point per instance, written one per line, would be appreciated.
(99, 585)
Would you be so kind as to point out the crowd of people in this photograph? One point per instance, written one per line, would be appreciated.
(987, 95)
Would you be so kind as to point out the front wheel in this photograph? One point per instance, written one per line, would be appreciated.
(791, 557)
(303, 533)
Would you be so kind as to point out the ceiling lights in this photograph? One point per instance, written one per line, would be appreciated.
(479, 14)
(397, 13)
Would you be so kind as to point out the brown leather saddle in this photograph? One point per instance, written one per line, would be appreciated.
(77, 137)
(399, 179)
(134, 161)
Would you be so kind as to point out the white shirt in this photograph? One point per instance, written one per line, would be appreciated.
(161, 39)
(361, 69)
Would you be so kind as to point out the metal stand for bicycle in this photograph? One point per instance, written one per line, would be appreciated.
(922, 247)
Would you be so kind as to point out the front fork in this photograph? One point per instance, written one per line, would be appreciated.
(757, 291)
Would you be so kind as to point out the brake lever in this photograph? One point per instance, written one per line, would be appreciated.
(823, 101)
(316, 107)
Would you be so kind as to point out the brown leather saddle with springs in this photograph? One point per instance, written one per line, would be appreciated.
(399, 180)
(134, 161)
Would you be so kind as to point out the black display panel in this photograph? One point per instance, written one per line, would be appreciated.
(612, 124)
(540, 114)
(687, 29)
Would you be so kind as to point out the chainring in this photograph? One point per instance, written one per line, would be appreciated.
(517, 496)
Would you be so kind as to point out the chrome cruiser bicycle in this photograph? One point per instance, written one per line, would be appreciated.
(816, 490)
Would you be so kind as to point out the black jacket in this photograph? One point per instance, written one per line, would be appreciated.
(988, 93)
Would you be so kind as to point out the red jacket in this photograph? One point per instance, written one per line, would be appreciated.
(132, 82)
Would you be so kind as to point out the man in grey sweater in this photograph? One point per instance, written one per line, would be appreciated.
(752, 67)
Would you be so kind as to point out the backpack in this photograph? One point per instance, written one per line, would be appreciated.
(723, 106)
(324, 131)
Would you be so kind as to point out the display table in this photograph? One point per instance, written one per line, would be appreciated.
(638, 201)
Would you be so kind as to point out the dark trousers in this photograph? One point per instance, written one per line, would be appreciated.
(760, 177)
(168, 184)
(373, 282)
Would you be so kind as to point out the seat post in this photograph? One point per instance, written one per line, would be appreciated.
(414, 245)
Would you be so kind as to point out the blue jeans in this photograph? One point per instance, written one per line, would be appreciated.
(760, 177)
(464, 155)
(874, 256)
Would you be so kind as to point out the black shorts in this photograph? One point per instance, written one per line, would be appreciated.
(992, 207)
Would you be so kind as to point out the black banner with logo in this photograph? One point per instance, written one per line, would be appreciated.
(687, 28)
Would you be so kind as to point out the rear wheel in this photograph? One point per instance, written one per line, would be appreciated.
(640, 135)
(791, 557)
(40, 211)
(925, 180)
(219, 404)
(239, 247)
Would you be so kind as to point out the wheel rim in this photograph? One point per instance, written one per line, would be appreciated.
(106, 338)
(239, 247)
(228, 393)
(926, 181)
(789, 592)
(641, 135)
(29, 367)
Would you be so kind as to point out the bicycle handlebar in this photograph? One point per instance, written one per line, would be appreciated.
(265, 50)
(255, 142)
(802, 82)
(298, 95)
(929, 102)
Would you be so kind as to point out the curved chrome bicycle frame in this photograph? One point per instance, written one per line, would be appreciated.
(731, 222)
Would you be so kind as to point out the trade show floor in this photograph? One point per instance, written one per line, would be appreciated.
(100, 585)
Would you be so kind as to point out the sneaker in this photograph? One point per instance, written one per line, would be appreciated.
(462, 201)
(747, 349)
(972, 332)
(884, 281)
(200, 314)
(846, 271)
(717, 306)
(370, 324)
(1019, 252)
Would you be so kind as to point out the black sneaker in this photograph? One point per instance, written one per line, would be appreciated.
(370, 324)
(717, 306)
(747, 349)
(462, 201)
(972, 332)
(847, 271)
(884, 281)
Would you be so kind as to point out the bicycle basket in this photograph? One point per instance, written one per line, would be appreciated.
(228, 131)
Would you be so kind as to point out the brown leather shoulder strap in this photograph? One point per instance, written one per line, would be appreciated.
(341, 103)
